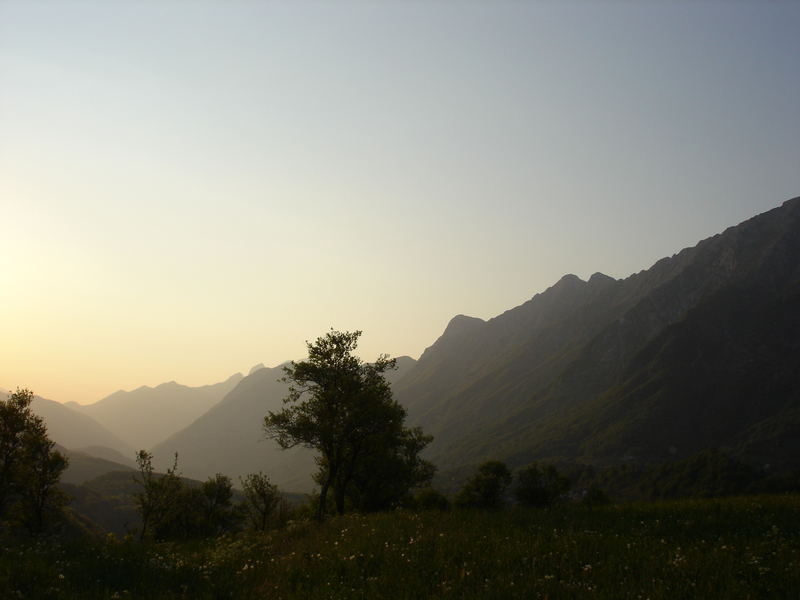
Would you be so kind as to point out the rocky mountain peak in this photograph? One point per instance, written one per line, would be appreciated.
(255, 368)
(462, 323)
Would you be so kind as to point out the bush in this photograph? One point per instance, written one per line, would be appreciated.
(540, 486)
(431, 499)
(262, 501)
(594, 496)
(486, 488)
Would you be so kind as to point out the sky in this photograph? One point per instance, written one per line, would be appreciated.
(190, 188)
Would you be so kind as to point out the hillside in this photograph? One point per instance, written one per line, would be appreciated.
(108, 454)
(70, 428)
(148, 415)
(700, 350)
(229, 438)
(83, 467)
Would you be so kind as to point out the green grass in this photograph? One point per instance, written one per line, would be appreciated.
(733, 548)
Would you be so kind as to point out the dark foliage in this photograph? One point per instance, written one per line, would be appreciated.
(171, 507)
(487, 487)
(540, 486)
(262, 501)
(430, 499)
(343, 408)
(595, 497)
(30, 467)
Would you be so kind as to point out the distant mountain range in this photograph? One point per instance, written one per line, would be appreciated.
(701, 350)
(229, 438)
(72, 429)
(147, 415)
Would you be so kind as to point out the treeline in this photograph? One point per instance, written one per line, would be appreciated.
(493, 486)
(172, 508)
(710, 473)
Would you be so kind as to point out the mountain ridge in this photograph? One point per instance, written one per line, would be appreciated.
(229, 437)
(130, 414)
(573, 342)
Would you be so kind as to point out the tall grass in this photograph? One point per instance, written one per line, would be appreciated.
(732, 548)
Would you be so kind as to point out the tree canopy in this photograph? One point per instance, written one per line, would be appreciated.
(540, 486)
(343, 408)
(30, 466)
(487, 487)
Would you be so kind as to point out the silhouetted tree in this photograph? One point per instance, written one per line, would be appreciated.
(217, 505)
(390, 466)
(159, 497)
(261, 500)
(431, 499)
(594, 497)
(41, 499)
(16, 418)
(30, 466)
(540, 486)
(343, 408)
(486, 488)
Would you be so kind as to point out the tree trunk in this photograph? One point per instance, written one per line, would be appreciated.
(345, 480)
(340, 499)
(143, 530)
(323, 495)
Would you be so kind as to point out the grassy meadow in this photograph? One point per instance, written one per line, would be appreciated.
(739, 548)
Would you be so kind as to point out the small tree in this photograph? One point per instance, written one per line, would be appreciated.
(390, 467)
(261, 499)
(183, 516)
(342, 408)
(30, 466)
(540, 486)
(218, 513)
(431, 499)
(595, 497)
(16, 420)
(41, 499)
(160, 494)
(486, 488)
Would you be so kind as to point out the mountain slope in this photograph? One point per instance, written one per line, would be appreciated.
(540, 380)
(109, 454)
(82, 467)
(71, 429)
(146, 416)
(229, 438)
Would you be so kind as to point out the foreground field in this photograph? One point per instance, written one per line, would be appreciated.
(733, 548)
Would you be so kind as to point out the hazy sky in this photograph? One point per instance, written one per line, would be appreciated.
(190, 188)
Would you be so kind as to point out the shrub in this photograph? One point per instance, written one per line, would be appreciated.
(540, 486)
(431, 499)
(486, 488)
(594, 496)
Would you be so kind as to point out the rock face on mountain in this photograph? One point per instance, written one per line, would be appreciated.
(700, 350)
(229, 438)
(145, 416)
